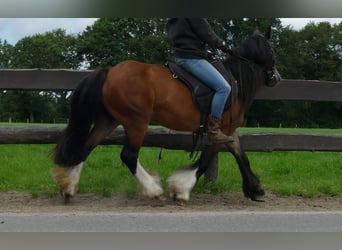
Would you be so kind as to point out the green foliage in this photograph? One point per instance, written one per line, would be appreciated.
(236, 30)
(315, 52)
(319, 48)
(112, 40)
(27, 106)
(51, 50)
(5, 54)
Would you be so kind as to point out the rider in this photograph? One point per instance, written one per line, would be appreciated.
(189, 37)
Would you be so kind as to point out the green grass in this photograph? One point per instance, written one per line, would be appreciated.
(27, 168)
(300, 173)
(292, 130)
(23, 124)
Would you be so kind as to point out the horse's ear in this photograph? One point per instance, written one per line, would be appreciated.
(268, 34)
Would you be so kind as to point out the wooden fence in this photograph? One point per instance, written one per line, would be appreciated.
(38, 79)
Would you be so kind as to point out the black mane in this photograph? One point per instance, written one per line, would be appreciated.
(247, 64)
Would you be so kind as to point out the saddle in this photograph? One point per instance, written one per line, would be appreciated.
(201, 94)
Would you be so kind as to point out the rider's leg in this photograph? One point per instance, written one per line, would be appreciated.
(208, 74)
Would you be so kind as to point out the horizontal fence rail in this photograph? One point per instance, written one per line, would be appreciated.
(59, 79)
(166, 138)
(41, 79)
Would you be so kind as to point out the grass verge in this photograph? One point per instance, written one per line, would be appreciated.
(27, 168)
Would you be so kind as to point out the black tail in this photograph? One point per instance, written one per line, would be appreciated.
(86, 103)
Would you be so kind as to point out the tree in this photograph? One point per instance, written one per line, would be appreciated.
(318, 48)
(52, 49)
(112, 40)
(236, 30)
(5, 54)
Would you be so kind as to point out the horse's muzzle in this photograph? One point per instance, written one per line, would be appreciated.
(273, 77)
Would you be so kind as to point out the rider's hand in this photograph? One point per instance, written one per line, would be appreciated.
(224, 47)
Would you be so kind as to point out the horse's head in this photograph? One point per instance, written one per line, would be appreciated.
(259, 49)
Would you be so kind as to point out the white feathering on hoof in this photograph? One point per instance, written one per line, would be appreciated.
(181, 184)
(68, 178)
(150, 185)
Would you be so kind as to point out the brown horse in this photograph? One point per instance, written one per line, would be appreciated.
(134, 94)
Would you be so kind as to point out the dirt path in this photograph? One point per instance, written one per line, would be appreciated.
(23, 202)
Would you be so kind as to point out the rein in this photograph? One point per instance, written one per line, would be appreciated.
(231, 52)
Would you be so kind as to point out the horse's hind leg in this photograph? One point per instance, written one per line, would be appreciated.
(149, 185)
(68, 177)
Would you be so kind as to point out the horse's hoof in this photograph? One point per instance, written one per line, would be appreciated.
(258, 198)
(182, 202)
(255, 194)
(66, 197)
(162, 197)
(158, 201)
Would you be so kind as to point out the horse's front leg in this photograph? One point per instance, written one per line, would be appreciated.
(183, 181)
(251, 185)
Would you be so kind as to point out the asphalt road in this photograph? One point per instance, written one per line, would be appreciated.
(173, 222)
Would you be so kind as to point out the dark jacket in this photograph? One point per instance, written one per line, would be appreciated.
(189, 37)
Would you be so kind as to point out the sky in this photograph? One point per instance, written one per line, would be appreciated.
(14, 29)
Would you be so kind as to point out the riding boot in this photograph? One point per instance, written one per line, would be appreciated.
(215, 134)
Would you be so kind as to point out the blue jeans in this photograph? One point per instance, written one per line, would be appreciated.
(207, 73)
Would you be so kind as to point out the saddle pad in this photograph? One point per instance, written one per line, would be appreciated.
(201, 94)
